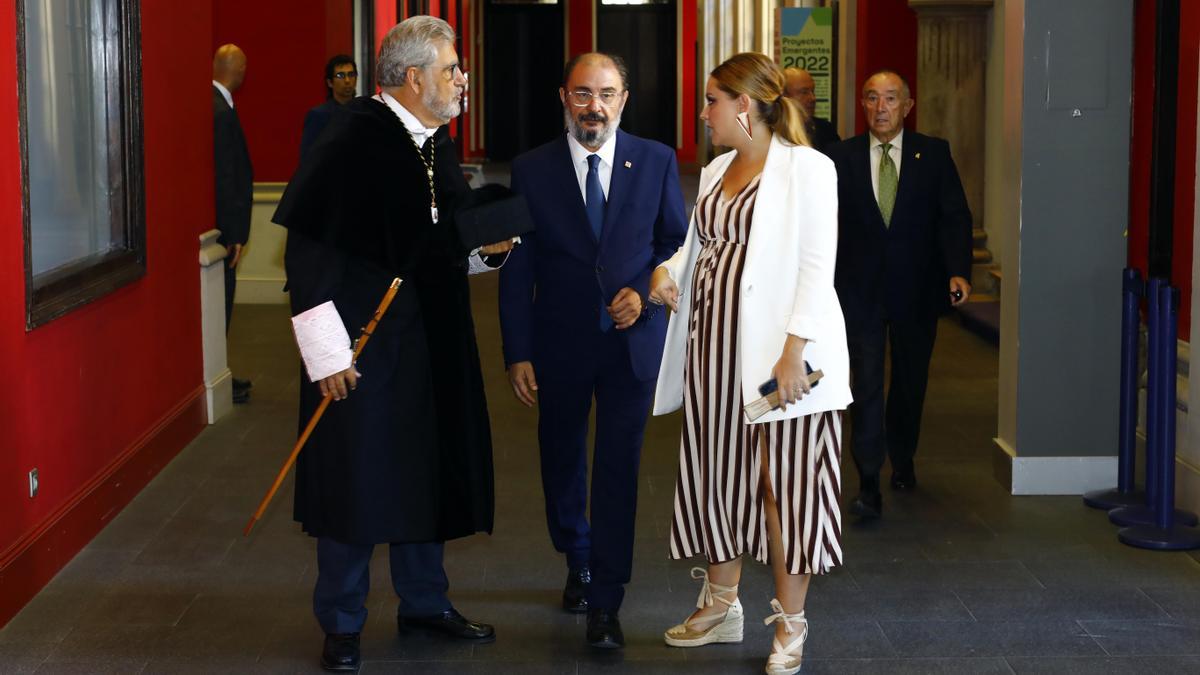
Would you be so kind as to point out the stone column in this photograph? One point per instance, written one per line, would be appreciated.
(952, 43)
(218, 381)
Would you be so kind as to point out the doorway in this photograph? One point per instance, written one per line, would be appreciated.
(523, 49)
(644, 35)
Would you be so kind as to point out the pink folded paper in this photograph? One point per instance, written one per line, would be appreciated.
(323, 341)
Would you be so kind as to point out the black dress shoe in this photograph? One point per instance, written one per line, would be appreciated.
(449, 623)
(604, 629)
(904, 481)
(244, 385)
(241, 395)
(574, 597)
(867, 505)
(341, 652)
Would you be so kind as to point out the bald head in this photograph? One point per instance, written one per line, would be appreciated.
(229, 66)
(800, 86)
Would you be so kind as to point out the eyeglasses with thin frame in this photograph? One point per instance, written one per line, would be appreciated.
(346, 75)
(451, 71)
(582, 98)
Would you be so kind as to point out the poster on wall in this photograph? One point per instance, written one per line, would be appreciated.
(806, 41)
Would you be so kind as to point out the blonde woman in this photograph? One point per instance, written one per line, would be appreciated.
(752, 290)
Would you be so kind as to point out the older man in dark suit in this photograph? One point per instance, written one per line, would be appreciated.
(234, 177)
(904, 256)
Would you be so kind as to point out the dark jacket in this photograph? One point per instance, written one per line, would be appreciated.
(315, 122)
(904, 269)
(407, 457)
(822, 134)
(556, 283)
(233, 171)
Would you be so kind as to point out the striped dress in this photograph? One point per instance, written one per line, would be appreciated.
(718, 498)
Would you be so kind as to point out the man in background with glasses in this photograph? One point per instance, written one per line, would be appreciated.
(341, 86)
(608, 210)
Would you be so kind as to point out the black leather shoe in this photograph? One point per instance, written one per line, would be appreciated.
(604, 629)
(574, 598)
(451, 624)
(867, 505)
(904, 481)
(244, 385)
(341, 652)
(241, 395)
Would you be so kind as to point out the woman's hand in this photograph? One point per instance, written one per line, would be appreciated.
(663, 289)
(789, 372)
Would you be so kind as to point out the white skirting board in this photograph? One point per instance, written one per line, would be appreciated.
(1053, 475)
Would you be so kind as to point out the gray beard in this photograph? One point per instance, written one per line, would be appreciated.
(444, 110)
(591, 139)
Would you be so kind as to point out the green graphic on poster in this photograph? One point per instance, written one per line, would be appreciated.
(806, 41)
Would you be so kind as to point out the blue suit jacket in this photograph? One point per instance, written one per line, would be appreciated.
(556, 283)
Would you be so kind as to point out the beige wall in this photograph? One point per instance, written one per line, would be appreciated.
(260, 273)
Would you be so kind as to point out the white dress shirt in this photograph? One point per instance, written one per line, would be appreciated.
(579, 155)
(224, 92)
(877, 155)
(418, 131)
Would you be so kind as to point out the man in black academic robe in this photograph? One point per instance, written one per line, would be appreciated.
(403, 456)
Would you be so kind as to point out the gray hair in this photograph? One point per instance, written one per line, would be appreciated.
(412, 43)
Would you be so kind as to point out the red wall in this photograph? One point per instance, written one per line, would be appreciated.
(886, 38)
(286, 50)
(1141, 145)
(87, 392)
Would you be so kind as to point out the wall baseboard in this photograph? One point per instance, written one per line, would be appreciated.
(1053, 475)
(33, 560)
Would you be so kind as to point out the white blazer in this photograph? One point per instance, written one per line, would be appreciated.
(786, 285)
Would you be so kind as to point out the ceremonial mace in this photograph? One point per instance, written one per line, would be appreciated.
(361, 342)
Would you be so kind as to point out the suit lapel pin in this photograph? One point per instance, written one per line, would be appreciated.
(917, 156)
(628, 165)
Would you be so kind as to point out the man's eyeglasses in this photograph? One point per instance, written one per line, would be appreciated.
(583, 98)
(449, 72)
(345, 75)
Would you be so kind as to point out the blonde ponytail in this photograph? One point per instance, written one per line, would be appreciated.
(758, 77)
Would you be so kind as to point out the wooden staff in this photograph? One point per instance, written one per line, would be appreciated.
(367, 331)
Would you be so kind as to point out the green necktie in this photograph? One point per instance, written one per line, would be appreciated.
(889, 179)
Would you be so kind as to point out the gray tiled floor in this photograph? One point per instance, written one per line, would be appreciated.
(957, 578)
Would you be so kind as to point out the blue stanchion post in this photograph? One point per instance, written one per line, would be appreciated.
(1144, 514)
(1168, 531)
(1126, 492)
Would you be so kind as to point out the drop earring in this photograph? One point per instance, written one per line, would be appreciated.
(743, 120)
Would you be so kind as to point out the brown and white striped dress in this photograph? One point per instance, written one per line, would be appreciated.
(718, 498)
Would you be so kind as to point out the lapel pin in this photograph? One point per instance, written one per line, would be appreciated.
(628, 165)
(917, 156)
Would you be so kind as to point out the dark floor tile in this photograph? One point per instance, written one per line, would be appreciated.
(1105, 665)
(946, 575)
(1127, 638)
(138, 606)
(1180, 603)
(1046, 604)
(92, 667)
(989, 638)
(912, 605)
(22, 656)
(110, 642)
(960, 666)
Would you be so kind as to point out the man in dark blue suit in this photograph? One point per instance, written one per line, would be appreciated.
(904, 256)
(341, 85)
(608, 210)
